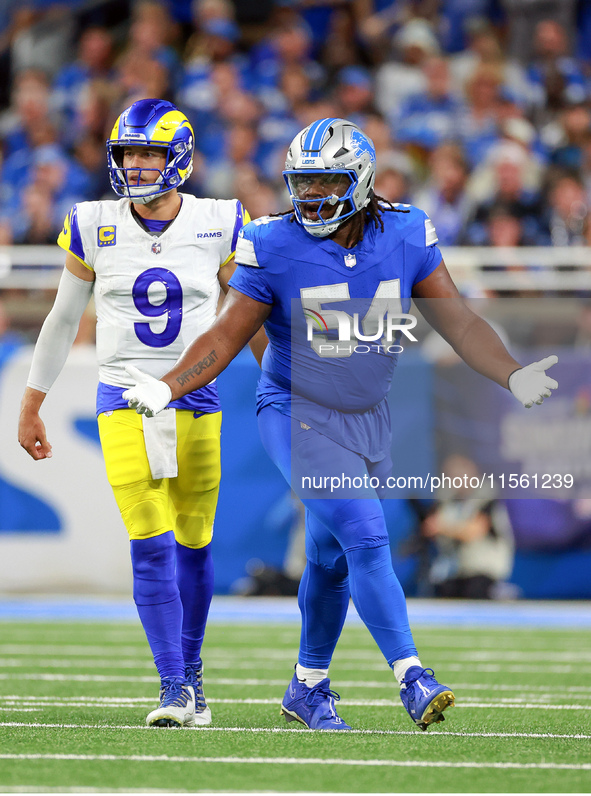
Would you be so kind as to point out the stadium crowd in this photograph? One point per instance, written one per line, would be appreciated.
(479, 109)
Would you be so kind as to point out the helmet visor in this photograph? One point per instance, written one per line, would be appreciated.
(310, 185)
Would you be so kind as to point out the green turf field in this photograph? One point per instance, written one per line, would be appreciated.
(73, 699)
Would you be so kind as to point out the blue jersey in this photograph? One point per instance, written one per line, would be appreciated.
(332, 344)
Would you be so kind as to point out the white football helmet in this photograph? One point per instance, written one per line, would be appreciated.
(337, 158)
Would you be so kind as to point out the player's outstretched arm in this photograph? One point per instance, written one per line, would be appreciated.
(51, 351)
(240, 318)
(477, 343)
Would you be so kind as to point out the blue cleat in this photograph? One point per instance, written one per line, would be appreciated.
(313, 707)
(194, 677)
(423, 697)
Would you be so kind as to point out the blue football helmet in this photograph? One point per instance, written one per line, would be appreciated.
(340, 161)
(151, 123)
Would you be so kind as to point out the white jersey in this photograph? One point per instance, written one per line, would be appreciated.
(154, 294)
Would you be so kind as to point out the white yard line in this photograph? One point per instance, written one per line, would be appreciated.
(302, 761)
(88, 663)
(248, 730)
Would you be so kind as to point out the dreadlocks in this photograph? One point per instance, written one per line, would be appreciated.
(371, 213)
(376, 207)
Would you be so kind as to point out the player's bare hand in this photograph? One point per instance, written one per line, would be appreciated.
(32, 436)
(531, 385)
(149, 396)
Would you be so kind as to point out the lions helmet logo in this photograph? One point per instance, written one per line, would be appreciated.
(362, 144)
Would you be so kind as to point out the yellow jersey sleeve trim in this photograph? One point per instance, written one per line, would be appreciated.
(242, 218)
(70, 239)
(63, 246)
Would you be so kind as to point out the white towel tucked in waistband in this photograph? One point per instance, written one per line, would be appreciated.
(160, 439)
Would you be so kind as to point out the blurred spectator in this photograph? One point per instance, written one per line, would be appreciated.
(89, 153)
(553, 73)
(524, 16)
(472, 538)
(376, 21)
(431, 117)
(41, 38)
(152, 34)
(218, 176)
(37, 215)
(484, 48)
(289, 45)
(444, 197)
(340, 45)
(258, 196)
(509, 158)
(394, 174)
(140, 76)
(214, 42)
(511, 191)
(354, 94)
(30, 107)
(479, 121)
(402, 76)
(568, 211)
(205, 10)
(95, 52)
(39, 190)
(234, 107)
(503, 227)
(568, 137)
(459, 18)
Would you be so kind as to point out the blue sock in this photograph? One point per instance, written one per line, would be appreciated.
(194, 576)
(156, 596)
(323, 598)
(380, 601)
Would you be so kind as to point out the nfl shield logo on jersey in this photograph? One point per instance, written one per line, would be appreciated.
(350, 260)
(156, 247)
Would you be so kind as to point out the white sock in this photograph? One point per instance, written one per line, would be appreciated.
(402, 665)
(310, 677)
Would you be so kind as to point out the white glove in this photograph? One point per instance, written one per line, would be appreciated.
(149, 396)
(530, 385)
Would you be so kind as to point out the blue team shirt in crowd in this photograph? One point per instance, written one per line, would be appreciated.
(326, 382)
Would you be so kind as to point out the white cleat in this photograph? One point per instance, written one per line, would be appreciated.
(177, 705)
(194, 677)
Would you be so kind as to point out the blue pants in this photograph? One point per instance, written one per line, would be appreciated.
(347, 547)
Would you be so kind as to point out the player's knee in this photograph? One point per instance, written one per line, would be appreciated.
(194, 521)
(153, 566)
(194, 534)
(361, 527)
(144, 509)
(372, 561)
(145, 520)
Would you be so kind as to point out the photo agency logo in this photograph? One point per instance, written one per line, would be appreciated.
(336, 333)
